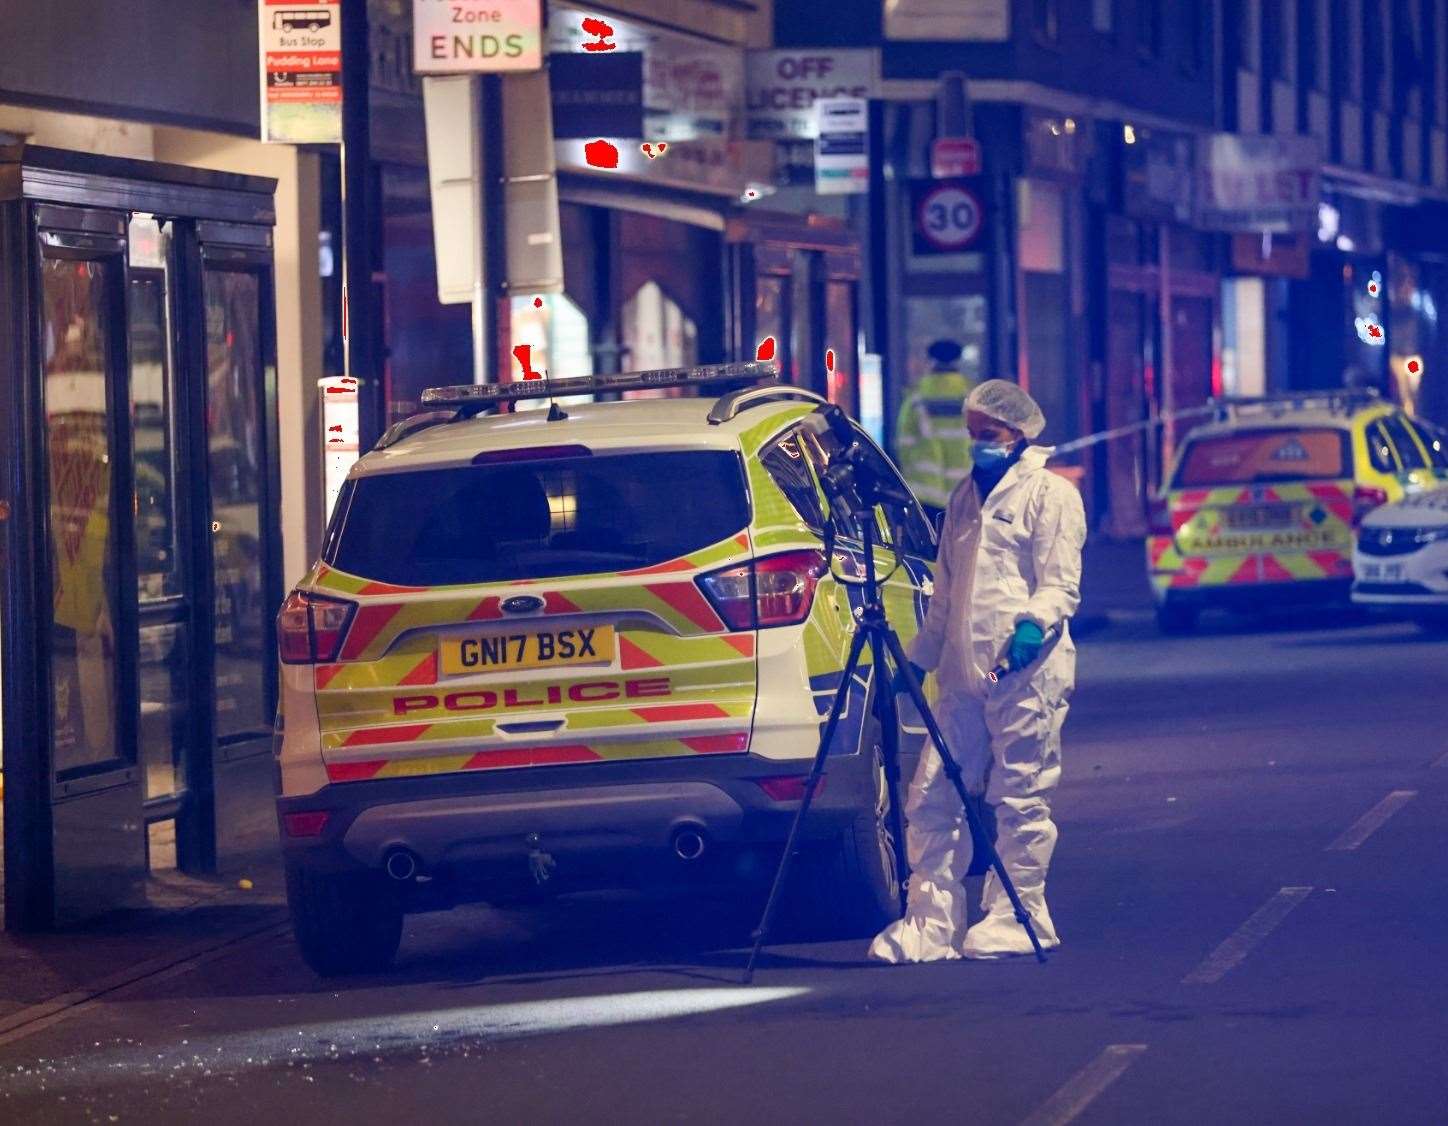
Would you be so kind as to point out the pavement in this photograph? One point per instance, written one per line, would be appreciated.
(1250, 884)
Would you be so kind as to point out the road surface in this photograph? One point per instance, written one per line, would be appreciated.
(1251, 884)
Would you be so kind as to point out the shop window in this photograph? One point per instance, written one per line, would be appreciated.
(1046, 20)
(657, 332)
(803, 361)
(840, 339)
(1149, 27)
(769, 310)
(555, 329)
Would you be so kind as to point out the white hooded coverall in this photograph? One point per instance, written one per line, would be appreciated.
(1015, 557)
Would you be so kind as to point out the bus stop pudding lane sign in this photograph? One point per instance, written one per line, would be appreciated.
(301, 71)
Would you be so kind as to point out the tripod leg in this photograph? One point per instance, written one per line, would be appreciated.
(889, 720)
(971, 802)
(857, 646)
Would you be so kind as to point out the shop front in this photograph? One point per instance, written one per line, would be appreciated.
(139, 525)
(666, 261)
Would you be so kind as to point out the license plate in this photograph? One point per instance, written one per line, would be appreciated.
(496, 651)
(1260, 516)
(1383, 572)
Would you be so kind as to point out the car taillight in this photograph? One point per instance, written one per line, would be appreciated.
(777, 590)
(1365, 498)
(311, 627)
(308, 824)
(1158, 517)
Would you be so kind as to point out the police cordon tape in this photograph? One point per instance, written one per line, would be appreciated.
(1132, 428)
(1222, 408)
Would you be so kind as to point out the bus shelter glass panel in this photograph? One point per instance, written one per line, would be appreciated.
(235, 437)
(76, 342)
(164, 659)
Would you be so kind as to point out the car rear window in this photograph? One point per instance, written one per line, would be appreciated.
(537, 519)
(1250, 456)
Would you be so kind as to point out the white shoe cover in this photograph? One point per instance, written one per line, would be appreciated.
(999, 935)
(929, 932)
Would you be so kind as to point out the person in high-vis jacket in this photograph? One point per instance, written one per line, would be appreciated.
(1007, 578)
(931, 444)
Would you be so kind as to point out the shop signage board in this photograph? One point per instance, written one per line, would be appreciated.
(954, 156)
(842, 146)
(476, 36)
(693, 102)
(1258, 183)
(600, 95)
(948, 216)
(783, 87)
(973, 21)
(301, 71)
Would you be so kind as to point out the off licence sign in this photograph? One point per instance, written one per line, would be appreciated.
(949, 217)
(476, 36)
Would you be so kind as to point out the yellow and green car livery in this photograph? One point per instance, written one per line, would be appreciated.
(1263, 504)
(595, 646)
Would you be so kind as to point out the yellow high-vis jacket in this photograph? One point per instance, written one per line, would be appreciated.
(931, 442)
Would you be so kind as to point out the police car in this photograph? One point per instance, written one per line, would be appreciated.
(1262, 504)
(583, 648)
(1401, 561)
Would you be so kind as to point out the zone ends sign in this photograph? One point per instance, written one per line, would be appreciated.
(476, 36)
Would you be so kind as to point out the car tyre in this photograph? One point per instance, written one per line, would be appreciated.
(850, 889)
(1175, 619)
(344, 923)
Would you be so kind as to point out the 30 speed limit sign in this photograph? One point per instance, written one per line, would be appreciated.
(949, 217)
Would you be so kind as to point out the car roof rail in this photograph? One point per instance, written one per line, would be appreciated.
(736, 402)
(1339, 401)
(413, 424)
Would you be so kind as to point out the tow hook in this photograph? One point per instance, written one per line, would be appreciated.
(540, 863)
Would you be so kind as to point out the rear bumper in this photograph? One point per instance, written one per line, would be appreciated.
(606, 824)
(1256, 596)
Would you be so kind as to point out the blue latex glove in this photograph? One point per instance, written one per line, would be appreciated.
(1025, 645)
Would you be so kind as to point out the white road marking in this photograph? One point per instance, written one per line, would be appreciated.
(1083, 1087)
(1371, 821)
(34, 1018)
(1240, 942)
(1441, 760)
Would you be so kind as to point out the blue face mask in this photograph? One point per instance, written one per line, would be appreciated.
(989, 456)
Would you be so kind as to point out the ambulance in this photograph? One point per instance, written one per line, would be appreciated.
(1263, 503)
(585, 647)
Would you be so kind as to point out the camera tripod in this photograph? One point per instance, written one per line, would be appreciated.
(861, 492)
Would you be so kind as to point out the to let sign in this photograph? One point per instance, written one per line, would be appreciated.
(1250, 183)
(476, 36)
(301, 71)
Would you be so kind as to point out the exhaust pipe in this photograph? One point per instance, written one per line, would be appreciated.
(400, 864)
(689, 842)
